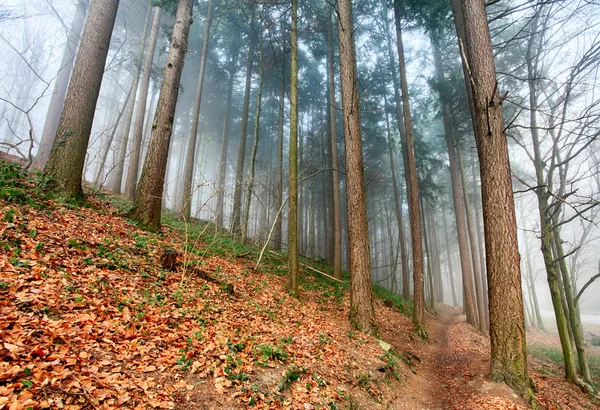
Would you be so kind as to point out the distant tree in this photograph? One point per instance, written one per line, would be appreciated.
(362, 312)
(61, 84)
(140, 111)
(188, 171)
(148, 201)
(67, 157)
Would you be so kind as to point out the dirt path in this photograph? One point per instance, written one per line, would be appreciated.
(453, 369)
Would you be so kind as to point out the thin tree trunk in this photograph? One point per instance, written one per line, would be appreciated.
(413, 188)
(292, 276)
(222, 175)
(459, 212)
(335, 176)
(474, 244)
(239, 172)
(277, 234)
(67, 158)
(147, 205)
(111, 137)
(397, 207)
(140, 112)
(450, 272)
(188, 172)
(362, 314)
(536, 306)
(249, 186)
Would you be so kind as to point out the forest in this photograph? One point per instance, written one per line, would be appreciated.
(411, 182)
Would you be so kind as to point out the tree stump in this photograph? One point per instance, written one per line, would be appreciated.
(168, 260)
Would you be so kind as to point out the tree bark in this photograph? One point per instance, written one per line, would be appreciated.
(60, 86)
(140, 112)
(292, 276)
(362, 313)
(67, 158)
(147, 205)
(335, 176)
(186, 198)
(507, 327)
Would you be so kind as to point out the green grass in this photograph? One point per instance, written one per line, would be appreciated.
(555, 355)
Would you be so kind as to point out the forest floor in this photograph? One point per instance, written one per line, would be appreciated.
(90, 320)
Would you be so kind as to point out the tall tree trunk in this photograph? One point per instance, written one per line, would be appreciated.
(277, 234)
(292, 276)
(335, 176)
(507, 327)
(147, 205)
(427, 255)
(362, 313)
(188, 171)
(239, 172)
(250, 184)
(140, 112)
(67, 158)
(222, 168)
(400, 124)
(60, 86)
(413, 187)
(459, 212)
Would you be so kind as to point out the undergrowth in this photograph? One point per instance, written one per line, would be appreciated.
(555, 355)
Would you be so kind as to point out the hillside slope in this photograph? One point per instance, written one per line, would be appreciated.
(90, 320)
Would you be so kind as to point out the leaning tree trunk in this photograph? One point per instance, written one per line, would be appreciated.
(413, 188)
(188, 172)
(60, 86)
(67, 158)
(239, 171)
(536, 306)
(140, 112)
(507, 327)
(335, 176)
(147, 205)
(362, 313)
(292, 276)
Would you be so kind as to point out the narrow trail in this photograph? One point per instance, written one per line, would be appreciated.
(453, 370)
